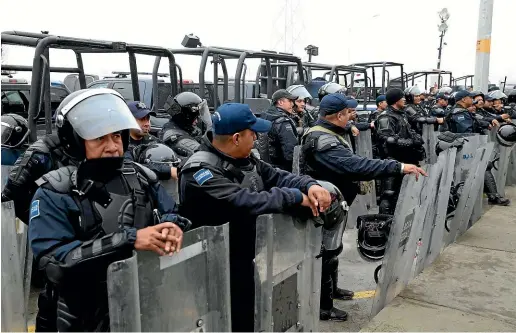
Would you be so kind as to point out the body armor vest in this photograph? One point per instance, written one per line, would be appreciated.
(246, 177)
(104, 207)
(181, 142)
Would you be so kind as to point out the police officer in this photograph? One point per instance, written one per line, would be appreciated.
(15, 131)
(511, 103)
(304, 112)
(142, 137)
(463, 121)
(283, 136)
(499, 98)
(329, 157)
(416, 114)
(398, 141)
(441, 104)
(187, 118)
(234, 186)
(42, 156)
(381, 105)
(84, 218)
(478, 103)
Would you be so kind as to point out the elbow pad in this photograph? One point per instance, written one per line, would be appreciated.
(98, 253)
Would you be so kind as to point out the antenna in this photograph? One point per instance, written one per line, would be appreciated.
(288, 26)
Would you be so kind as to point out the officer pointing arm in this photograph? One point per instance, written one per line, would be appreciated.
(84, 218)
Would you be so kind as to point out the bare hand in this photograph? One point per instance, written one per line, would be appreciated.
(413, 169)
(495, 123)
(308, 203)
(151, 238)
(440, 120)
(508, 121)
(320, 197)
(170, 245)
(354, 131)
(505, 116)
(173, 172)
(371, 125)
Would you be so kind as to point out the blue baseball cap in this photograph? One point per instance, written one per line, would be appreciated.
(462, 94)
(380, 99)
(336, 102)
(231, 118)
(140, 110)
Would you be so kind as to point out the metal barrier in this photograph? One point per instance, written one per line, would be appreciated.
(430, 138)
(187, 292)
(287, 274)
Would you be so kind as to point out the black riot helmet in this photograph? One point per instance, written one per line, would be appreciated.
(15, 130)
(410, 92)
(156, 153)
(334, 217)
(89, 114)
(330, 88)
(493, 88)
(506, 135)
(184, 108)
(373, 233)
(511, 96)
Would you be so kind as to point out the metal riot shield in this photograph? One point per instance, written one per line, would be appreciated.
(296, 160)
(172, 188)
(430, 138)
(14, 314)
(478, 208)
(500, 158)
(5, 174)
(471, 190)
(434, 223)
(287, 274)
(511, 169)
(187, 292)
(403, 245)
(365, 148)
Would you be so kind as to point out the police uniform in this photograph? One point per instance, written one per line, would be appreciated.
(327, 156)
(42, 156)
(398, 141)
(283, 136)
(216, 188)
(84, 218)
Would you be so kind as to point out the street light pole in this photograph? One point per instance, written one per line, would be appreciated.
(443, 27)
(485, 23)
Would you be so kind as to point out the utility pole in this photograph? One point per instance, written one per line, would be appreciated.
(485, 23)
(443, 27)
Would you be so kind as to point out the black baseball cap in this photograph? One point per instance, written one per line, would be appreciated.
(282, 93)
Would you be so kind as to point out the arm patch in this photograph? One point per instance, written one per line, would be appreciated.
(202, 176)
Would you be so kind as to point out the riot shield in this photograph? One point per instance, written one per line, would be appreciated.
(5, 174)
(287, 274)
(471, 191)
(404, 244)
(13, 299)
(296, 160)
(187, 292)
(365, 148)
(501, 161)
(434, 223)
(172, 188)
(511, 169)
(430, 138)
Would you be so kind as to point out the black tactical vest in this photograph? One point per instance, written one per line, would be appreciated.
(245, 177)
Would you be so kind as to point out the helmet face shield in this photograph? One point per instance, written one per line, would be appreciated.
(100, 115)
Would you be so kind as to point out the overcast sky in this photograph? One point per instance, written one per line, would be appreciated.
(345, 31)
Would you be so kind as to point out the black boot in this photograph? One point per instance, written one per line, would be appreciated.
(492, 192)
(333, 314)
(338, 293)
(343, 294)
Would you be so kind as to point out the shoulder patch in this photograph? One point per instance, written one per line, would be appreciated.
(202, 176)
(34, 210)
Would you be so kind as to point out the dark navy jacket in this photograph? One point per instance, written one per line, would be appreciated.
(461, 121)
(340, 166)
(50, 226)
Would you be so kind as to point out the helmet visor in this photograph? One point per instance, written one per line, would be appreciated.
(100, 115)
(7, 131)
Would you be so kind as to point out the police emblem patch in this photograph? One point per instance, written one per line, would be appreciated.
(202, 176)
(34, 209)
